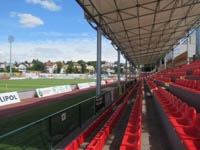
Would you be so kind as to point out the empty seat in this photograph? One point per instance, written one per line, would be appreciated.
(186, 120)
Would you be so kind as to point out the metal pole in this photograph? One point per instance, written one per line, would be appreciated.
(126, 71)
(198, 41)
(165, 62)
(173, 58)
(98, 81)
(188, 58)
(129, 71)
(10, 58)
(118, 69)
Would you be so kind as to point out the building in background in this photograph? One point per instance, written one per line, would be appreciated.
(50, 67)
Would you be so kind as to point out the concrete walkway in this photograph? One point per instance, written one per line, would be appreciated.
(153, 134)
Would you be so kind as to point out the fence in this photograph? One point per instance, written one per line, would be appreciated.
(48, 131)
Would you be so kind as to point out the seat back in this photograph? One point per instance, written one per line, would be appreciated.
(196, 126)
(194, 86)
(183, 108)
(179, 103)
(191, 115)
(198, 85)
(190, 82)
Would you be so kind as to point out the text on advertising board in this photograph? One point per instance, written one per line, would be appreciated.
(9, 98)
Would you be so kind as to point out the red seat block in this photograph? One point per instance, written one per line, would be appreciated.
(192, 144)
(94, 145)
(188, 118)
(191, 132)
(179, 113)
(130, 140)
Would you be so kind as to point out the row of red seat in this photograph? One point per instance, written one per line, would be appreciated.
(163, 79)
(151, 84)
(188, 67)
(193, 85)
(74, 145)
(132, 135)
(99, 140)
(196, 73)
(184, 119)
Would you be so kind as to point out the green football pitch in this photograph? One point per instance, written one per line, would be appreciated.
(29, 84)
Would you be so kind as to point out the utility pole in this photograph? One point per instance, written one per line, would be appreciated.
(10, 40)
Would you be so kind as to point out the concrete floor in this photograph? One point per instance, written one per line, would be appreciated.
(153, 134)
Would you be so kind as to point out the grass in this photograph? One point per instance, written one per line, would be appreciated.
(30, 84)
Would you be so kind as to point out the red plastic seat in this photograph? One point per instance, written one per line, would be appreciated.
(192, 144)
(194, 86)
(191, 132)
(198, 85)
(186, 120)
(179, 113)
(174, 106)
(94, 145)
(130, 140)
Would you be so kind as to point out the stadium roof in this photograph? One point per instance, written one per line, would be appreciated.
(143, 30)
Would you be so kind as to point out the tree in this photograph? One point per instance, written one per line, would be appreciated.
(83, 66)
(38, 66)
(70, 68)
(59, 66)
(2, 70)
(13, 69)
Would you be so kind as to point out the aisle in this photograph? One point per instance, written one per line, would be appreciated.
(115, 138)
(153, 135)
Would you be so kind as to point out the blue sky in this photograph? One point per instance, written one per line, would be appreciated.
(48, 30)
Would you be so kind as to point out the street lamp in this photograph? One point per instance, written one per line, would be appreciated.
(10, 40)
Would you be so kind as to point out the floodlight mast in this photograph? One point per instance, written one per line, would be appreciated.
(10, 40)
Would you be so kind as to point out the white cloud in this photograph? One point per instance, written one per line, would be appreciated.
(69, 49)
(27, 20)
(13, 14)
(1, 53)
(59, 34)
(48, 4)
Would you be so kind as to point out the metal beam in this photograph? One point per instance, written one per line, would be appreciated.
(118, 68)
(198, 41)
(98, 87)
(126, 70)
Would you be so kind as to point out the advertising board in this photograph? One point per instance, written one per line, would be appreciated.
(83, 85)
(9, 98)
(43, 92)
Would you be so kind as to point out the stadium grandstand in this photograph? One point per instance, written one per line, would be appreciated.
(155, 110)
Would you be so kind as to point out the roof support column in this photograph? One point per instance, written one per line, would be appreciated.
(126, 71)
(198, 41)
(173, 58)
(98, 81)
(118, 68)
(188, 58)
(129, 71)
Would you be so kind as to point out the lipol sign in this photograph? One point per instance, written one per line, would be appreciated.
(9, 98)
